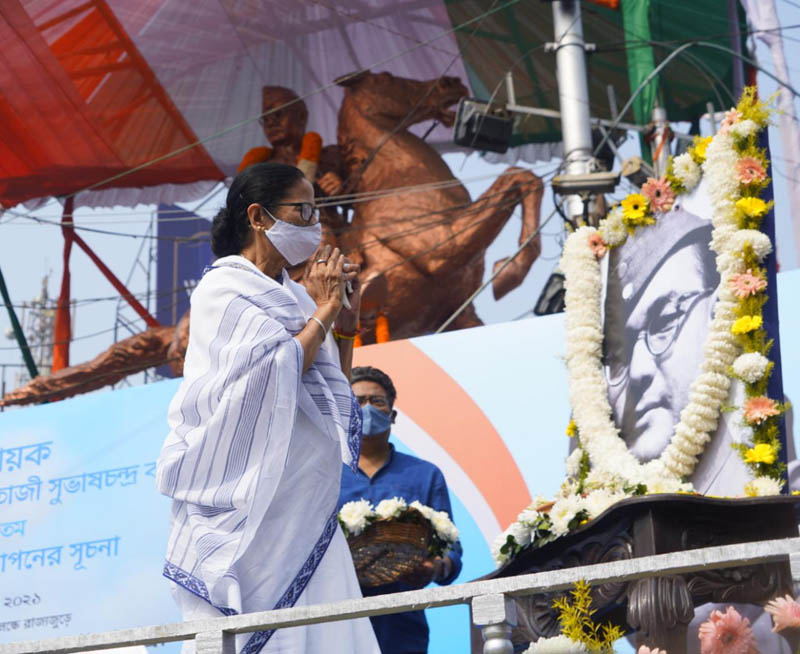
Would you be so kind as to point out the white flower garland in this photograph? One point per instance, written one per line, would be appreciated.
(588, 387)
(602, 469)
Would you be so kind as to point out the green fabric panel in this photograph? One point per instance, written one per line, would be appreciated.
(641, 61)
(512, 38)
(18, 333)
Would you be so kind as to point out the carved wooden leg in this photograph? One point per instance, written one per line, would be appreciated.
(660, 609)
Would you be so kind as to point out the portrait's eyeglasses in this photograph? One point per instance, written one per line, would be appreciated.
(307, 209)
(661, 332)
(378, 401)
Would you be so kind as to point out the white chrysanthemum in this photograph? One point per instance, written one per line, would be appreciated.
(668, 485)
(759, 241)
(574, 462)
(600, 478)
(568, 488)
(560, 644)
(598, 501)
(499, 557)
(686, 170)
(750, 366)
(388, 509)
(744, 128)
(761, 486)
(424, 510)
(563, 511)
(612, 229)
(444, 527)
(529, 516)
(356, 516)
(521, 534)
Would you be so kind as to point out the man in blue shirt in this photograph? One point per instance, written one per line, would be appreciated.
(384, 473)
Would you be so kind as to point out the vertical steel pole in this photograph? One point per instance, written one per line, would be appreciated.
(573, 94)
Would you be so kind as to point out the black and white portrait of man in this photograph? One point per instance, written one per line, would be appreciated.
(660, 296)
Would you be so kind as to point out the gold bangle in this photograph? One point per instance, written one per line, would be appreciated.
(321, 324)
(344, 337)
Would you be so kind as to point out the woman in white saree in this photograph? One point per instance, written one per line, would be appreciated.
(262, 421)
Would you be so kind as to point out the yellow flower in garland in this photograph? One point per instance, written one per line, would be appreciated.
(698, 150)
(634, 207)
(572, 429)
(752, 207)
(746, 324)
(761, 453)
(636, 212)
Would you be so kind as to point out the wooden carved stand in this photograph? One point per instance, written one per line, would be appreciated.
(659, 609)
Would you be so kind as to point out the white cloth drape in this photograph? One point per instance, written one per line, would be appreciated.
(254, 456)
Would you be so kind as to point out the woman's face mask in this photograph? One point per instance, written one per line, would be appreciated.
(296, 244)
(376, 422)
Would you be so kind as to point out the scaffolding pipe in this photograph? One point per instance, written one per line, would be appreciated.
(573, 94)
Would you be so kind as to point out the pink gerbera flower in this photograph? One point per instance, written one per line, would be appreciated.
(727, 633)
(660, 194)
(785, 612)
(750, 170)
(597, 245)
(644, 649)
(757, 409)
(746, 283)
(732, 116)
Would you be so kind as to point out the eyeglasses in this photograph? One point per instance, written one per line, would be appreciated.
(378, 401)
(661, 332)
(307, 209)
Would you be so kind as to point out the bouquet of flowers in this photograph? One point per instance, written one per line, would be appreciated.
(393, 539)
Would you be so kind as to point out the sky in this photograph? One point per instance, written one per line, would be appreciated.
(30, 251)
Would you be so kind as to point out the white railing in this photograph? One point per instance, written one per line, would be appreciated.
(492, 609)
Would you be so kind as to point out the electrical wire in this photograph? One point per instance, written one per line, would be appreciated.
(494, 274)
(325, 87)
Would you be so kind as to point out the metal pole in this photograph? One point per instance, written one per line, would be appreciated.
(573, 94)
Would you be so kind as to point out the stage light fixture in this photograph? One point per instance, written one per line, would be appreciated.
(481, 126)
(551, 299)
(636, 170)
(599, 182)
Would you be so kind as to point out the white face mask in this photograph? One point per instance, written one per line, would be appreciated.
(295, 243)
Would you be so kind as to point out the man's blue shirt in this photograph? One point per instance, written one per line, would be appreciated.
(411, 479)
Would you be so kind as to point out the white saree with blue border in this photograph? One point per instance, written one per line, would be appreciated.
(254, 456)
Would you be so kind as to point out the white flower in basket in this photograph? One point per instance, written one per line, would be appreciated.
(424, 510)
(444, 527)
(388, 509)
(356, 516)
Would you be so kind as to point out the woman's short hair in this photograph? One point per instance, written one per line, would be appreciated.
(266, 184)
(368, 373)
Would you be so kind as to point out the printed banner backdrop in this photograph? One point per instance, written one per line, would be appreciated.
(83, 530)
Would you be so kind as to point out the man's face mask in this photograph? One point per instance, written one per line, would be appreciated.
(376, 422)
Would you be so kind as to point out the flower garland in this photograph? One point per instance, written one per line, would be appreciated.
(602, 470)
(356, 516)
